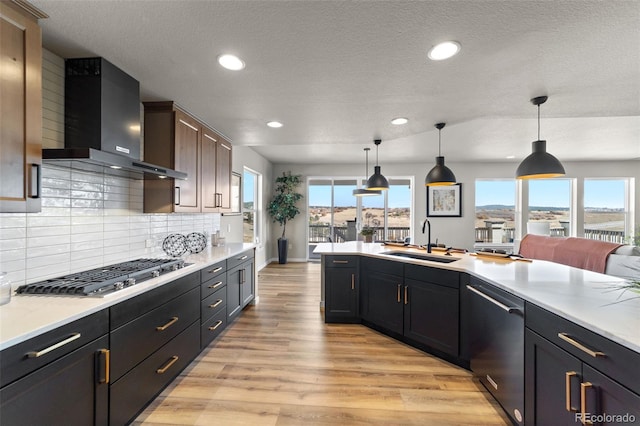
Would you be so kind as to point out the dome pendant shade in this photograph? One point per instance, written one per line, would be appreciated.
(364, 192)
(440, 175)
(539, 164)
(377, 181)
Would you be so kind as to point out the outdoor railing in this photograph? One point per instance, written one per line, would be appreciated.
(485, 234)
(323, 234)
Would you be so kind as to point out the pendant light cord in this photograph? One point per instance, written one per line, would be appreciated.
(538, 121)
(439, 133)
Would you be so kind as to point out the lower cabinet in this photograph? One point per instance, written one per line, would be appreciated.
(574, 376)
(240, 283)
(341, 284)
(72, 390)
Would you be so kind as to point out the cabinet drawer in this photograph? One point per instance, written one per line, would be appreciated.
(209, 287)
(340, 261)
(239, 258)
(213, 271)
(432, 275)
(213, 327)
(34, 353)
(134, 341)
(616, 360)
(385, 266)
(137, 306)
(213, 304)
(130, 394)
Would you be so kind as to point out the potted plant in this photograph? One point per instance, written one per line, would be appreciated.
(282, 207)
(367, 232)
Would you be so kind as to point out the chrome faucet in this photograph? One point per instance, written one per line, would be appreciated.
(426, 223)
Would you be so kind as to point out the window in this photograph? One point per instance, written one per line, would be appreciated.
(250, 206)
(549, 207)
(495, 211)
(606, 209)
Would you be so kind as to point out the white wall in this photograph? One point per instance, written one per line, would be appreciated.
(457, 232)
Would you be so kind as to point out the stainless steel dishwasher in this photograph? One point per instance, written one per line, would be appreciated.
(497, 345)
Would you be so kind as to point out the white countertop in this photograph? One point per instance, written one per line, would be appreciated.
(28, 316)
(587, 298)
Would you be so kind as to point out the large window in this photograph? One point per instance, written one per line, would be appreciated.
(250, 206)
(606, 209)
(549, 207)
(495, 211)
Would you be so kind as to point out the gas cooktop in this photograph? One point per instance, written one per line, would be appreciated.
(104, 280)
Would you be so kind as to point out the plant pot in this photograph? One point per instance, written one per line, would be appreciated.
(283, 245)
(368, 238)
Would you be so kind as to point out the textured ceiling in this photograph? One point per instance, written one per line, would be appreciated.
(336, 72)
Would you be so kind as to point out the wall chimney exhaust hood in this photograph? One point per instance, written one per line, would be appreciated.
(102, 122)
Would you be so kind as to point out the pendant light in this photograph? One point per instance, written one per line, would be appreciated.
(364, 192)
(377, 181)
(539, 164)
(440, 174)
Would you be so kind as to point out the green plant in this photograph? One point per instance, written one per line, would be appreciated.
(367, 231)
(282, 208)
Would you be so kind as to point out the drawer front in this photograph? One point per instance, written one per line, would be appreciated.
(137, 306)
(213, 271)
(384, 266)
(25, 357)
(213, 304)
(134, 341)
(615, 361)
(340, 261)
(236, 260)
(212, 328)
(432, 275)
(130, 394)
(209, 287)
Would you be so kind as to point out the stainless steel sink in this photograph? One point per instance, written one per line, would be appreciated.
(419, 256)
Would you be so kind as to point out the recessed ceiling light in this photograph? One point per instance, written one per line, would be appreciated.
(231, 62)
(399, 121)
(443, 50)
(274, 124)
(509, 157)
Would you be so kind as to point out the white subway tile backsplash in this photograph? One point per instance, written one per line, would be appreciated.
(88, 220)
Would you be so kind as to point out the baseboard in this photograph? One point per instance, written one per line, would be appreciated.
(291, 259)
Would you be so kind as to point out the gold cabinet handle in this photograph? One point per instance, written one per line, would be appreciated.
(167, 325)
(168, 365)
(38, 354)
(341, 261)
(353, 281)
(218, 269)
(215, 305)
(567, 380)
(406, 294)
(216, 285)
(572, 342)
(218, 324)
(583, 403)
(106, 354)
(399, 285)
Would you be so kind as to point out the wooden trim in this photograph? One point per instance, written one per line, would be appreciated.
(29, 8)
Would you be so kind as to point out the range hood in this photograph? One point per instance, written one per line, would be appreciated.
(102, 122)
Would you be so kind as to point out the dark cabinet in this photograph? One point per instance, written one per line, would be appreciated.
(240, 283)
(21, 118)
(63, 376)
(573, 374)
(384, 306)
(213, 307)
(341, 284)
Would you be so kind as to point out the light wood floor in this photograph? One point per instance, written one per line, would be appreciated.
(280, 364)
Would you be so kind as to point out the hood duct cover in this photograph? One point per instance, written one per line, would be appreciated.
(102, 121)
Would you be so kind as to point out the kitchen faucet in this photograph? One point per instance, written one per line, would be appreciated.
(426, 223)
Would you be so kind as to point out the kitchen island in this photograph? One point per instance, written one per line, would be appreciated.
(552, 343)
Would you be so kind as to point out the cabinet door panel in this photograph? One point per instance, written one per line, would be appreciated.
(384, 304)
(223, 174)
(615, 403)
(431, 315)
(546, 368)
(234, 294)
(186, 160)
(341, 294)
(65, 392)
(208, 171)
(247, 284)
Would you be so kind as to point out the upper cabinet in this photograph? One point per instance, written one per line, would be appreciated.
(20, 107)
(175, 139)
